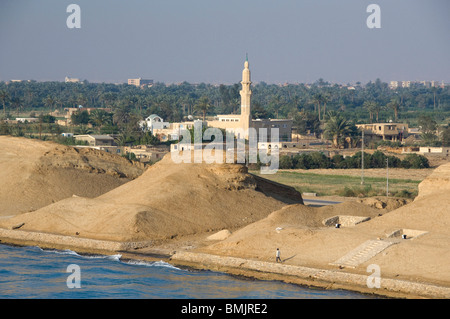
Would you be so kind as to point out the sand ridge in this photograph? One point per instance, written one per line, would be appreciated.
(178, 207)
(166, 201)
(34, 173)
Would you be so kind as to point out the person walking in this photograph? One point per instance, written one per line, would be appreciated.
(278, 256)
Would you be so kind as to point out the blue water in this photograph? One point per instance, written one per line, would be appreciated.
(30, 272)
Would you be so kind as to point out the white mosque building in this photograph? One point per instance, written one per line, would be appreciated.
(233, 123)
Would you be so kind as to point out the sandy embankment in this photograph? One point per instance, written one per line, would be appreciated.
(174, 209)
(34, 174)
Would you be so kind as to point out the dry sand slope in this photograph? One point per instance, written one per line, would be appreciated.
(166, 201)
(424, 256)
(34, 173)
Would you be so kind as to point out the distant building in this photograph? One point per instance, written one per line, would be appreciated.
(406, 84)
(139, 82)
(428, 150)
(435, 150)
(385, 131)
(26, 119)
(71, 80)
(394, 84)
(145, 153)
(153, 122)
(236, 124)
(241, 123)
(96, 140)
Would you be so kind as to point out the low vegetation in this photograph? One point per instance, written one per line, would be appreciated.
(376, 160)
(343, 185)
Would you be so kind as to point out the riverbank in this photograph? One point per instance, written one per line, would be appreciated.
(218, 216)
(186, 256)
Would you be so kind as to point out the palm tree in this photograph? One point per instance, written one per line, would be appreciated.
(15, 102)
(317, 99)
(4, 97)
(81, 99)
(369, 105)
(50, 102)
(203, 105)
(99, 118)
(83, 130)
(122, 113)
(373, 107)
(325, 99)
(337, 128)
(395, 105)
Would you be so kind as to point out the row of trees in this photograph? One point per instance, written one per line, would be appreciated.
(319, 109)
(374, 101)
(375, 160)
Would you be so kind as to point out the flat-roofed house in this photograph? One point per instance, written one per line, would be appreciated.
(385, 131)
(96, 140)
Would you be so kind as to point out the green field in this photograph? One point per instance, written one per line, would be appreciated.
(342, 185)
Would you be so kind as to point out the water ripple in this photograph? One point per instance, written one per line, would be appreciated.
(31, 272)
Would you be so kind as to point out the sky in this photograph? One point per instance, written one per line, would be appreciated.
(171, 41)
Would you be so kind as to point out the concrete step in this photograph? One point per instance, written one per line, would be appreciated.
(362, 253)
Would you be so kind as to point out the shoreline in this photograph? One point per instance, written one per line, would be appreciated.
(259, 270)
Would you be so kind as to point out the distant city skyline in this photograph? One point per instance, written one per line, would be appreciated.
(200, 41)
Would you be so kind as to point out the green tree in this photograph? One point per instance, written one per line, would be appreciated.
(99, 118)
(307, 122)
(285, 162)
(428, 129)
(373, 108)
(16, 102)
(394, 104)
(446, 136)
(416, 161)
(203, 105)
(337, 128)
(4, 97)
(50, 101)
(47, 118)
(80, 117)
(149, 139)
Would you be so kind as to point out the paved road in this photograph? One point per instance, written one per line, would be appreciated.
(318, 202)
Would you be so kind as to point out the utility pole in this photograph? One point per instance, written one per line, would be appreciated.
(362, 158)
(387, 177)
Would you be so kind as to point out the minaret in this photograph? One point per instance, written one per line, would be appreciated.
(246, 94)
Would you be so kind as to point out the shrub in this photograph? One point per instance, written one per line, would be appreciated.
(285, 162)
(416, 161)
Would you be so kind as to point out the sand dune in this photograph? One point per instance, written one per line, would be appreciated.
(166, 201)
(249, 215)
(304, 240)
(34, 174)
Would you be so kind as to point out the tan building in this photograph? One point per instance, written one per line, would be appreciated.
(145, 153)
(237, 124)
(240, 124)
(71, 80)
(96, 140)
(385, 131)
(140, 82)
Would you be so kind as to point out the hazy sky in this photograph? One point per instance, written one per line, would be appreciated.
(206, 40)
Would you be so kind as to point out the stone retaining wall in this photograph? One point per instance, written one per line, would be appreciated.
(68, 241)
(311, 274)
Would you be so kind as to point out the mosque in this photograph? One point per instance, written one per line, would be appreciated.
(238, 124)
